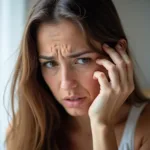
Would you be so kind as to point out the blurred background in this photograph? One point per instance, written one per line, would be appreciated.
(135, 17)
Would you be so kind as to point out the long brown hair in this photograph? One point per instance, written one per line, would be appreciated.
(39, 121)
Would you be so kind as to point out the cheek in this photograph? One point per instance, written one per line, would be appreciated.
(50, 81)
(52, 84)
(92, 86)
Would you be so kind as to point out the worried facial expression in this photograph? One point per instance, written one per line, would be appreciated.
(68, 65)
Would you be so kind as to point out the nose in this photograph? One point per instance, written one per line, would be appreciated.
(68, 79)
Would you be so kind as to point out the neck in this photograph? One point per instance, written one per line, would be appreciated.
(80, 125)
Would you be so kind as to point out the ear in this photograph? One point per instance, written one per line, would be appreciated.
(122, 43)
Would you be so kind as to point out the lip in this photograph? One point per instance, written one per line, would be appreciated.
(73, 97)
(74, 103)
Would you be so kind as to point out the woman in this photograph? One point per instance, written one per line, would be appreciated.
(75, 82)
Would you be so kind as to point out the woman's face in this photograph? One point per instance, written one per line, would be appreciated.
(68, 65)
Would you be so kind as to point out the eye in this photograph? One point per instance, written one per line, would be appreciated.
(84, 60)
(49, 64)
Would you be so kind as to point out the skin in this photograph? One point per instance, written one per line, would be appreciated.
(66, 78)
(104, 84)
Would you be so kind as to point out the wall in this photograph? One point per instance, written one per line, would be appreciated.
(135, 16)
(12, 16)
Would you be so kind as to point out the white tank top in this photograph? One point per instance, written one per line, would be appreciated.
(127, 141)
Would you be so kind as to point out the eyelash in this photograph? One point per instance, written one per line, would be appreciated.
(88, 60)
(46, 63)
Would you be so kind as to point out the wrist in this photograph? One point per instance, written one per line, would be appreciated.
(101, 125)
(101, 122)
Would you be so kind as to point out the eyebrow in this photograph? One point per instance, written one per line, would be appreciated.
(74, 55)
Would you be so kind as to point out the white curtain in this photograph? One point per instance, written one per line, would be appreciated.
(12, 19)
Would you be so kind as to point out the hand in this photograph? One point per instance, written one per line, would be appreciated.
(112, 93)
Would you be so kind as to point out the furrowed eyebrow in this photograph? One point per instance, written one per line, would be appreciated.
(70, 56)
(46, 57)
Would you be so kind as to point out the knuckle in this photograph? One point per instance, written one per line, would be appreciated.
(112, 67)
(122, 63)
(129, 63)
(118, 90)
(132, 88)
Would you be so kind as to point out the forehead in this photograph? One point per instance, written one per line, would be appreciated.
(65, 36)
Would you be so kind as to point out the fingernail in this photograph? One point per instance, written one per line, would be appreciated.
(106, 46)
(98, 61)
(118, 46)
(94, 77)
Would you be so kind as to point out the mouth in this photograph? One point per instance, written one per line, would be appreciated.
(74, 101)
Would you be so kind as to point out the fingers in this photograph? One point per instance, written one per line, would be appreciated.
(102, 79)
(112, 72)
(129, 64)
(121, 72)
(120, 64)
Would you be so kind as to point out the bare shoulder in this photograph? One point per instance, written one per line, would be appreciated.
(145, 116)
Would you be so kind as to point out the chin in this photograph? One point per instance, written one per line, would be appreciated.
(77, 113)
